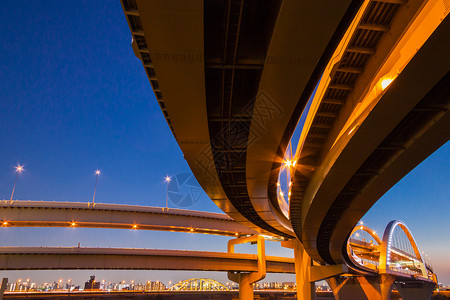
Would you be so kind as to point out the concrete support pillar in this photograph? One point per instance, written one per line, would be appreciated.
(3, 287)
(415, 290)
(306, 290)
(386, 282)
(246, 280)
(362, 287)
(245, 284)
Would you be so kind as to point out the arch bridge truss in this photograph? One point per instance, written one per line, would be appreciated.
(395, 253)
(199, 284)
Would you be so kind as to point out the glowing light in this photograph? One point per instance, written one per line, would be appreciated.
(73, 224)
(97, 172)
(167, 179)
(134, 226)
(290, 183)
(236, 234)
(361, 222)
(278, 184)
(19, 168)
(192, 229)
(353, 129)
(5, 223)
(288, 163)
(385, 83)
(294, 163)
(281, 193)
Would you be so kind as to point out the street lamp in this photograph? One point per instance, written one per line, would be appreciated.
(167, 180)
(19, 170)
(95, 188)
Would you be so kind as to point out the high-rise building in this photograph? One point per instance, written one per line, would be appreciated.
(92, 284)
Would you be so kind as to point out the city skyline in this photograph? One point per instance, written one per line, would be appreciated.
(76, 99)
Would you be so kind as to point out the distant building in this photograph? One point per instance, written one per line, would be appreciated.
(155, 286)
(92, 284)
(289, 285)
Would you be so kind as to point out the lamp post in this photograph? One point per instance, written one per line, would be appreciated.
(19, 170)
(167, 180)
(95, 188)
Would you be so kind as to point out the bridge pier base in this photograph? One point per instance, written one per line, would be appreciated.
(306, 290)
(245, 284)
(415, 290)
(362, 287)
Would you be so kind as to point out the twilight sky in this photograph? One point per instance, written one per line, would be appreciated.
(74, 99)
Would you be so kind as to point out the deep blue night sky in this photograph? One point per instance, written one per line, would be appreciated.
(74, 99)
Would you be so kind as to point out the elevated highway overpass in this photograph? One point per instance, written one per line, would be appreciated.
(370, 80)
(116, 216)
(232, 78)
(51, 258)
(232, 93)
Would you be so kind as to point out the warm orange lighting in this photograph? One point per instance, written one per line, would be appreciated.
(236, 234)
(278, 184)
(294, 163)
(134, 226)
(288, 163)
(73, 224)
(281, 193)
(167, 179)
(5, 223)
(353, 129)
(98, 172)
(19, 168)
(385, 83)
(192, 229)
(290, 183)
